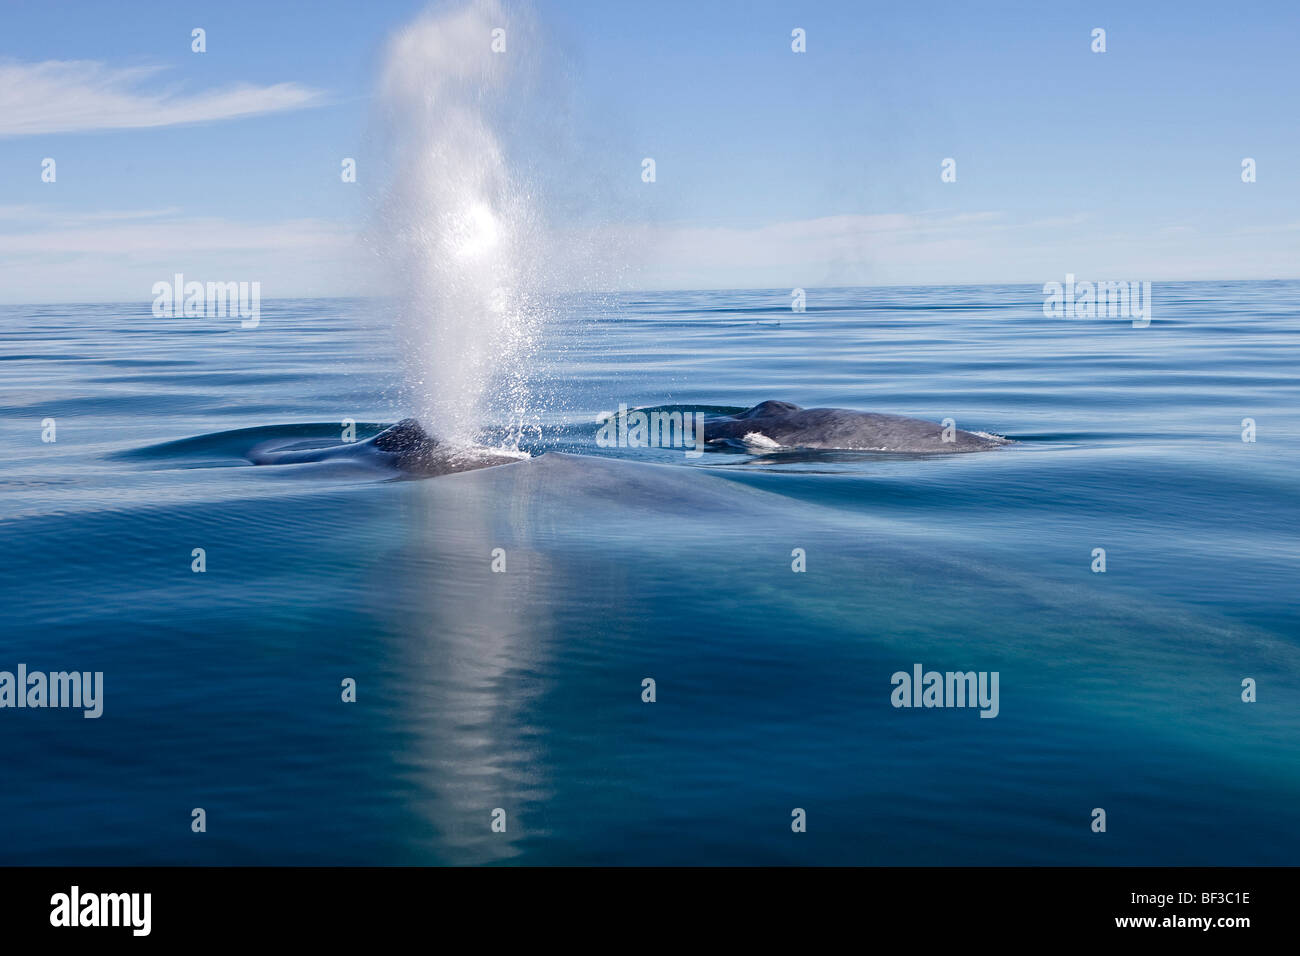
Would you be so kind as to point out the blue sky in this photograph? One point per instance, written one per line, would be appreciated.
(774, 169)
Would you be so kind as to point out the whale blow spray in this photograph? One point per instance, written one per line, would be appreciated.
(459, 228)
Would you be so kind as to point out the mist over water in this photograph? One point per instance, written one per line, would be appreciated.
(459, 229)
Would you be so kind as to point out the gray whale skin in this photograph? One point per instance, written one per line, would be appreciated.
(790, 426)
(405, 447)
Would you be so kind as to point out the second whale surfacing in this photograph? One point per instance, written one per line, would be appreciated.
(772, 425)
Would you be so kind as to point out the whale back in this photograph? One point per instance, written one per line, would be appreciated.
(774, 423)
(407, 437)
(767, 408)
(404, 447)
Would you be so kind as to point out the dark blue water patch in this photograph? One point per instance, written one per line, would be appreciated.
(521, 689)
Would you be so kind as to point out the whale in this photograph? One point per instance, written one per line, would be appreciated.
(405, 447)
(408, 448)
(773, 425)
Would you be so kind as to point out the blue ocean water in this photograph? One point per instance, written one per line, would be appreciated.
(522, 690)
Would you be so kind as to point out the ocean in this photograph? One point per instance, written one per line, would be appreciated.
(499, 715)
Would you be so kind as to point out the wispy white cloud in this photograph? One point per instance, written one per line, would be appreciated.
(46, 216)
(65, 96)
(175, 237)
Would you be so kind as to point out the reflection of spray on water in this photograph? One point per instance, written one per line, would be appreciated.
(460, 230)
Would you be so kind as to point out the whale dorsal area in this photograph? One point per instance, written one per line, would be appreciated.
(775, 424)
(768, 408)
(404, 438)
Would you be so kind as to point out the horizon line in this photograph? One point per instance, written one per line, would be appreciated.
(717, 289)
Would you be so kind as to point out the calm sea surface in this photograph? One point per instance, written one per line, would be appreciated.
(522, 690)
